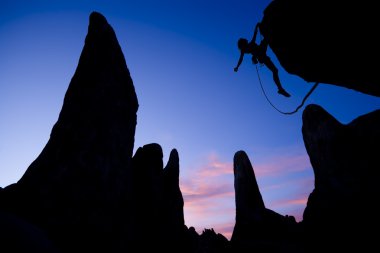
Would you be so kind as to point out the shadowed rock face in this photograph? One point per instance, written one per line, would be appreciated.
(326, 42)
(78, 187)
(257, 228)
(211, 242)
(18, 235)
(248, 200)
(148, 194)
(158, 203)
(173, 200)
(85, 192)
(345, 163)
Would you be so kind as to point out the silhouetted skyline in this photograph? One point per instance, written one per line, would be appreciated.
(181, 58)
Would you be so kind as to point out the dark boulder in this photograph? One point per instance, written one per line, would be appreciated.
(326, 42)
(345, 163)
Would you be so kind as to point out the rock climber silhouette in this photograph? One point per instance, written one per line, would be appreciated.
(258, 53)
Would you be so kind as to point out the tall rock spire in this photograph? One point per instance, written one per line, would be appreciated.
(96, 126)
(249, 203)
(78, 187)
(247, 194)
(257, 228)
(173, 200)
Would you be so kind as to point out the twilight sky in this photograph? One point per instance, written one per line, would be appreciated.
(181, 56)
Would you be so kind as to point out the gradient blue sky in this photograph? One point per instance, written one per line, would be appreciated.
(181, 56)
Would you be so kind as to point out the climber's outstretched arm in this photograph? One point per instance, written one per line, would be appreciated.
(239, 62)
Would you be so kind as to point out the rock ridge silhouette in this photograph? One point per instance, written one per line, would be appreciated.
(87, 191)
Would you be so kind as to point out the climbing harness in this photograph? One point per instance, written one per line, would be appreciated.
(298, 107)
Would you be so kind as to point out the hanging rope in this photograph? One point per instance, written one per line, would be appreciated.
(262, 88)
(298, 107)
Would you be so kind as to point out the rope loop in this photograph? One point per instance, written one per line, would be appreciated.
(298, 107)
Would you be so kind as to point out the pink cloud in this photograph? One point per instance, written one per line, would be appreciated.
(304, 183)
(211, 215)
(205, 192)
(225, 229)
(291, 203)
(275, 166)
(209, 194)
(214, 167)
(298, 205)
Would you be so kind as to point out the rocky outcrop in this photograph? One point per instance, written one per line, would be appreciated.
(211, 242)
(339, 210)
(345, 163)
(326, 42)
(172, 199)
(85, 192)
(257, 228)
(148, 195)
(158, 203)
(248, 199)
(78, 188)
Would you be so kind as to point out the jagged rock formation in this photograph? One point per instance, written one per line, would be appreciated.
(158, 207)
(345, 163)
(173, 200)
(326, 42)
(78, 187)
(158, 201)
(257, 228)
(85, 192)
(211, 242)
(148, 194)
